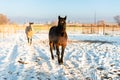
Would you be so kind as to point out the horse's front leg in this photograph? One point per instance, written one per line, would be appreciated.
(62, 54)
(58, 53)
(28, 39)
(51, 48)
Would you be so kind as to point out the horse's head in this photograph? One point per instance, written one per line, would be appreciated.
(62, 21)
(30, 23)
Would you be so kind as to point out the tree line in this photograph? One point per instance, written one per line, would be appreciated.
(117, 19)
(5, 20)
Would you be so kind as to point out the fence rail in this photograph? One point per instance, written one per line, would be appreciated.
(6, 30)
(101, 30)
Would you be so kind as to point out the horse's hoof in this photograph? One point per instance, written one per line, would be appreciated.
(60, 63)
(52, 58)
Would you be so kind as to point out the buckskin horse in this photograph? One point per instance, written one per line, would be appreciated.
(29, 33)
(58, 37)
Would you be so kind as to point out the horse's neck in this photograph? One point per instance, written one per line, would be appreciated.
(61, 29)
(30, 27)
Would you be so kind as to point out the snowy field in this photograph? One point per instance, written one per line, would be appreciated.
(87, 57)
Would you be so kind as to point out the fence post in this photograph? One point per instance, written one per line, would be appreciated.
(103, 29)
(91, 29)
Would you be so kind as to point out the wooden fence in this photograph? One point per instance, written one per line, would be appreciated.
(6, 30)
(101, 30)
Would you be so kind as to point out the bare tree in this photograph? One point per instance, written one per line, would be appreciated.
(3, 19)
(117, 19)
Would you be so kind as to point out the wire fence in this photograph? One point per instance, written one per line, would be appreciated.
(105, 30)
(6, 30)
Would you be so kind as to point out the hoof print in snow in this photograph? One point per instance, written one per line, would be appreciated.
(112, 65)
(22, 62)
(118, 74)
(101, 68)
(106, 77)
(10, 72)
(5, 78)
(88, 78)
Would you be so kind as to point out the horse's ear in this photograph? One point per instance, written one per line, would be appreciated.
(58, 17)
(65, 17)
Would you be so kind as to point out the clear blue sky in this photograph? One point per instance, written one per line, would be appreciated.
(82, 10)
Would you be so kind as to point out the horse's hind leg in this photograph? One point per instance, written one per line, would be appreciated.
(30, 41)
(51, 48)
(62, 54)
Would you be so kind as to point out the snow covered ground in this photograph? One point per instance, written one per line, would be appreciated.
(87, 57)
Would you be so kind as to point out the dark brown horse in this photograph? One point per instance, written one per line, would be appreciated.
(29, 33)
(58, 37)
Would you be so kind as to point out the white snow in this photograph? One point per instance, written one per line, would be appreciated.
(87, 57)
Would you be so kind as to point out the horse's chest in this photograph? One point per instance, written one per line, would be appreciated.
(60, 40)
